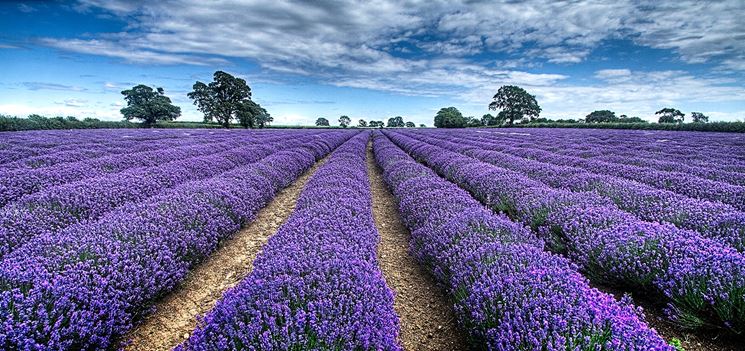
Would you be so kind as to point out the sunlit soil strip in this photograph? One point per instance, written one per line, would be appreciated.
(426, 317)
(175, 317)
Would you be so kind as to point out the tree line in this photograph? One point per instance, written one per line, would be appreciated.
(224, 100)
(393, 122)
(516, 104)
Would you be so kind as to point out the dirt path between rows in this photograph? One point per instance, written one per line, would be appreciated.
(426, 315)
(175, 316)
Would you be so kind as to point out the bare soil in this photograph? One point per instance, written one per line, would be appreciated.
(175, 316)
(706, 340)
(426, 316)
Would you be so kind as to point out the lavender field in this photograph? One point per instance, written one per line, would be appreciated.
(526, 239)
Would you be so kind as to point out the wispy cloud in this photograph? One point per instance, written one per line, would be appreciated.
(51, 86)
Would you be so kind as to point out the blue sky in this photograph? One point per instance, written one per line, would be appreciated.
(377, 59)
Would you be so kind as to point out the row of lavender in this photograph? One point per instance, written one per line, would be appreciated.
(316, 285)
(693, 149)
(82, 287)
(17, 182)
(721, 164)
(41, 148)
(701, 280)
(51, 210)
(508, 292)
(684, 184)
(712, 219)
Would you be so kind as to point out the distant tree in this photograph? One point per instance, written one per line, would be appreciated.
(489, 120)
(422, 125)
(540, 120)
(473, 122)
(601, 116)
(222, 99)
(410, 125)
(670, 115)
(567, 120)
(362, 123)
(699, 117)
(449, 117)
(322, 122)
(344, 121)
(251, 115)
(627, 119)
(148, 105)
(376, 124)
(515, 103)
(396, 122)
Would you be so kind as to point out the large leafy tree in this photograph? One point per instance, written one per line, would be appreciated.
(322, 122)
(410, 125)
(699, 117)
(222, 99)
(601, 116)
(449, 117)
(344, 121)
(670, 115)
(362, 123)
(251, 115)
(515, 103)
(396, 122)
(376, 124)
(148, 105)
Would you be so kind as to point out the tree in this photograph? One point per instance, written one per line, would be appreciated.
(627, 119)
(222, 99)
(670, 115)
(362, 123)
(699, 117)
(376, 124)
(251, 115)
(410, 125)
(148, 105)
(601, 116)
(449, 117)
(489, 120)
(422, 125)
(322, 122)
(473, 122)
(344, 121)
(396, 122)
(515, 103)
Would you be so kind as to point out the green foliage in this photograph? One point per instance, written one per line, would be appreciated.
(251, 115)
(376, 124)
(677, 344)
(148, 105)
(515, 104)
(37, 122)
(449, 117)
(410, 125)
(396, 122)
(362, 123)
(731, 127)
(489, 120)
(670, 115)
(422, 125)
(699, 117)
(223, 99)
(601, 116)
(627, 119)
(322, 122)
(472, 122)
(344, 121)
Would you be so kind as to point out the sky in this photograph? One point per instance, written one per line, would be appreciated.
(377, 59)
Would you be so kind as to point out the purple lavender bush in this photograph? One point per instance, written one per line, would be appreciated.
(316, 285)
(509, 293)
(83, 287)
(701, 280)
